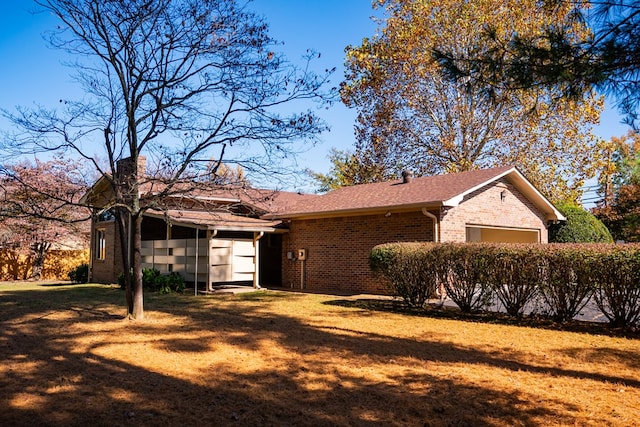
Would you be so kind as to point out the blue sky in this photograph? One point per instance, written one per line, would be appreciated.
(32, 74)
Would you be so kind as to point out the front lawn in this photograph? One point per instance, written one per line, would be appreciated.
(276, 358)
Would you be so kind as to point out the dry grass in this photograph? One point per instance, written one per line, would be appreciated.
(277, 358)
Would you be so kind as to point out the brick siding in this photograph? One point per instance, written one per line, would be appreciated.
(486, 207)
(338, 248)
(107, 270)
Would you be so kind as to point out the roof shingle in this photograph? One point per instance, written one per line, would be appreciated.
(428, 190)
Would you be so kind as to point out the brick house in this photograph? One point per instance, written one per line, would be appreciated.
(322, 242)
(337, 230)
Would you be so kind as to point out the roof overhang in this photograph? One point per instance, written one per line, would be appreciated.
(356, 212)
(98, 194)
(532, 193)
(523, 185)
(219, 222)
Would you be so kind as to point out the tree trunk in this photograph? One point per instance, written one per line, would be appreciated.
(138, 300)
(39, 253)
(122, 218)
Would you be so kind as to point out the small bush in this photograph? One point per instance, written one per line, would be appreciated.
(464, 270)
(150, 278)
(616, 277)
(410, 268)
(172, 282)
(80, 274)
(581, 227)
(154, 281)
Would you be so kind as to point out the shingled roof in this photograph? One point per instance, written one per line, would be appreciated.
(430, 191)
(214, 220)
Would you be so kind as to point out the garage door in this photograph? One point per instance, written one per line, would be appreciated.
(502, 235)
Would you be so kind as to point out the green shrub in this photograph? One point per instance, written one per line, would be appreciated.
(154, 281)
(121, 280)
(172, 282)
(616, 278)
(411, 269)
(464, 270)
(80, 274)
(150, 278)
(514, 275)
(566, 279)
(581, 226)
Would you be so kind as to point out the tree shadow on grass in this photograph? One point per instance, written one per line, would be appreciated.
(453, 313)
(47, 381)
(57, 284)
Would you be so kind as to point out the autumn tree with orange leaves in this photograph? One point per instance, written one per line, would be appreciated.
(410, 116)
(620, 189)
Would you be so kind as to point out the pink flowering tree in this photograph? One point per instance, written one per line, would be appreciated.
(38, 209)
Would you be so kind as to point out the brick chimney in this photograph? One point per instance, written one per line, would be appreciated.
(124, 167)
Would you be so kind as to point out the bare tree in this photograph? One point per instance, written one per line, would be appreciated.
(180, 82)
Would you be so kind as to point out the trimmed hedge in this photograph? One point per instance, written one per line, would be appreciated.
(561, 277)
(57, 264)
(463, 270)
(410, 268)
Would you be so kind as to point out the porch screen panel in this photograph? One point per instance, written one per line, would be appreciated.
(232, 260)
(243, 260)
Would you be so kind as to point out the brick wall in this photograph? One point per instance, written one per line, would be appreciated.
(486, 207)
(107, 270)
(338, 249)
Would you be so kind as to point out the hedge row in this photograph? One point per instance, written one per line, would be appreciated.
(562, 278)
(57, 264)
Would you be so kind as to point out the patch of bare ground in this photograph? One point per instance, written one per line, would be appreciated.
(279, 358)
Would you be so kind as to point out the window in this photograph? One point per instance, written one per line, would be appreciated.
(105, 216)
(100, 245)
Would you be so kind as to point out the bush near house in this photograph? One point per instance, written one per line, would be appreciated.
(411, 269)
(57, 265)
(153, 281)
(581, 226)
(80, 274)
(563, 277)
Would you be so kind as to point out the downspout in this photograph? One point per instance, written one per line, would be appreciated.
(256, 260)
(426, 213)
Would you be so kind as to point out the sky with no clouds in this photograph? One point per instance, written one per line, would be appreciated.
(32, 74)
